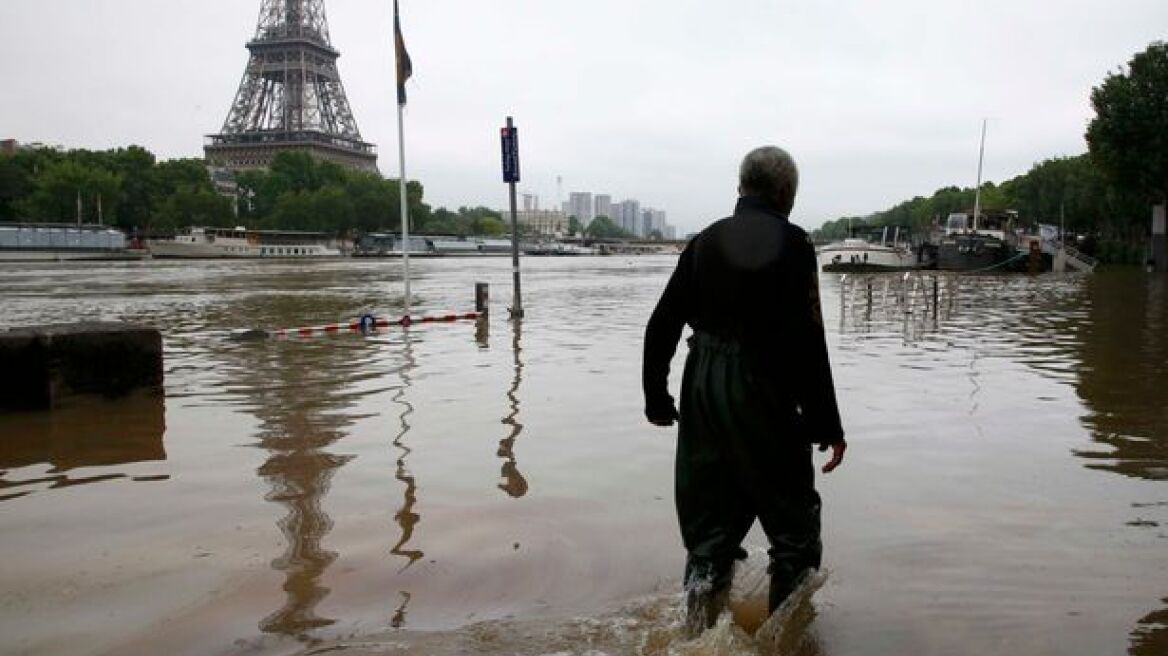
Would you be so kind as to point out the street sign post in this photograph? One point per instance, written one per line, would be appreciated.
(510, 142)
(510, 146)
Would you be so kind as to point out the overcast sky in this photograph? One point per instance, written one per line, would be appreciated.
(649, 99)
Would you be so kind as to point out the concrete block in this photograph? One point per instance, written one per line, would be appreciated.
(42, 365)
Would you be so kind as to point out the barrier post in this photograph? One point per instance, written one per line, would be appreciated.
(482, 297)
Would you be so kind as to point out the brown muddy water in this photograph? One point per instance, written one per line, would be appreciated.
(464, 488)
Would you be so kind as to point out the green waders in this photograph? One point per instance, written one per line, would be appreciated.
(740, 456)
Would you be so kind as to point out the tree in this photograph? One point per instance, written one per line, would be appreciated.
(1128, 137)
(191, 206)
(59, 186)
(16, 182)
(602, 227)
(136, 166)
(574, 226)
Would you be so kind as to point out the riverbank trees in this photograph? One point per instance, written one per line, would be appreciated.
(131, 189)
(1105, 192)
(125, 187)
(1068, 191)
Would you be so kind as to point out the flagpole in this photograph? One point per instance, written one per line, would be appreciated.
(403, 69)
(405, 217)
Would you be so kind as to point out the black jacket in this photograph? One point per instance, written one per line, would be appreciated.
(750, 278)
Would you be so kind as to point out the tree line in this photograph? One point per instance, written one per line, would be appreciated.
(1106, 192)
(1069, 191)
(129, 188)
(126, 187)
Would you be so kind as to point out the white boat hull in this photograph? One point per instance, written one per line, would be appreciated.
(221, 250)
(860, 255)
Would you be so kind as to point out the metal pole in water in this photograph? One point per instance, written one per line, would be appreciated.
(482, 297)
(405, 215)
(510, 139)
(977, 190)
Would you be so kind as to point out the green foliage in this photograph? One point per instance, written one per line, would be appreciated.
(1103, 194)
(61, 186)
(135, 190)
(1128, 138)
(191, 206)
(296, 193)
(602, 227)
(574, 226)
(466, 221)
(1070, 190)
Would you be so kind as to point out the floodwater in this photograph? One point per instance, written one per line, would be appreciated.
(492, 487)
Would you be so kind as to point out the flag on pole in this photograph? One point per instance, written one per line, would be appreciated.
(404, 67)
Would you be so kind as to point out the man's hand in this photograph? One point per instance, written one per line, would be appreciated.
(663, 415)
(837, 454)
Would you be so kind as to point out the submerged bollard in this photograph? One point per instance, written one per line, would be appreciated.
(43, 365)
(482, 297)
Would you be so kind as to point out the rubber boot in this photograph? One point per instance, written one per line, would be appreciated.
(784, 581)
(707, 593)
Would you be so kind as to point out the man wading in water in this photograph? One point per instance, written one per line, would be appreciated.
(756, 393)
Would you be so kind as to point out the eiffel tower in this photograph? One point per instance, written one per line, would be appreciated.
(291, 97)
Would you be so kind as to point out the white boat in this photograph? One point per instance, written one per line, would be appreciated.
(55, 242)
(385, 244)
(886, 248)
(558, 248)
(200, 242)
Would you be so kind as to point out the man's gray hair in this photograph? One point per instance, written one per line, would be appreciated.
(769, 171)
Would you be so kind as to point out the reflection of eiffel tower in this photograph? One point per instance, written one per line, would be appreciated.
(295, 395)
(291, 97)
(299, 479)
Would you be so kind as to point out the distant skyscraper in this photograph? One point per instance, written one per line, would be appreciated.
(659, 223)
(528, 202)
(580, 206)
(630, 215)
(602, 205)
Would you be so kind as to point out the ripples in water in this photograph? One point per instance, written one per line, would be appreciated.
(471, 486)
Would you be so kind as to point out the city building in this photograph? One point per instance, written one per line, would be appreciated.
(9, 147)
(550, 223)
(629, 213)
(653, 221)
(602, 205)
(580, 206)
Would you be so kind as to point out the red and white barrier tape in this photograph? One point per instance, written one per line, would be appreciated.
(357, 325)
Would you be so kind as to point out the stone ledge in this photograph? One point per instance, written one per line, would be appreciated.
(42, 365)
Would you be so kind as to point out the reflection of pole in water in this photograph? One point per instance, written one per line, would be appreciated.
(483, 331)
(405, 517)
(399, 615)
(512, 481)
(873, 301)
